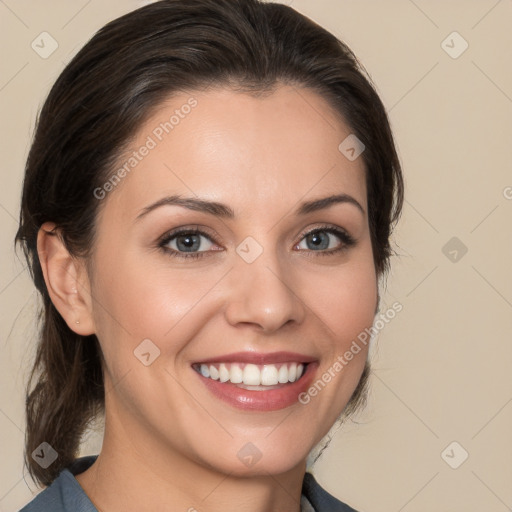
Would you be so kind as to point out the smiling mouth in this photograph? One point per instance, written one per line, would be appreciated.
(253, 376)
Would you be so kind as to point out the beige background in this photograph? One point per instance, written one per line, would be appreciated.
(443, 365)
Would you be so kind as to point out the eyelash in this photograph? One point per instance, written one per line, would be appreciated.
(347, 241)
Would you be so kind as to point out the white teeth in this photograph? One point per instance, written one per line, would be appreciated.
(269, 375)
(283, 374)
(249, 375)
(205, 372)
(252, 375)
(235, 374)
(214, 373)
(223, 373)
(292, 372)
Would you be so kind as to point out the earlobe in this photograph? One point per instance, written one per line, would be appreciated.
(66, 280)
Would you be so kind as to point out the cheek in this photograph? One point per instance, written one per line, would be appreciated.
(136, 300)
(344, 300)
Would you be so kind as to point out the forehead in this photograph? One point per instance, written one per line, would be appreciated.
(239, 149)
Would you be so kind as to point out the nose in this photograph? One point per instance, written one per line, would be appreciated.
(264, 296)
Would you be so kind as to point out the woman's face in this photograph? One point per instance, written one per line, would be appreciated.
(255, 290)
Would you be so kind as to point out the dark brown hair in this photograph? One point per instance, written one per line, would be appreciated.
(94, 109)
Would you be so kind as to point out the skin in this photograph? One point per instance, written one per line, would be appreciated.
(168, 443)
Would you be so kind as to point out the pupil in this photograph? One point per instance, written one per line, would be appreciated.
(188, 242)
(316, 239)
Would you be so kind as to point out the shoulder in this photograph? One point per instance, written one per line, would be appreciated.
(320, 499)
(65, 493)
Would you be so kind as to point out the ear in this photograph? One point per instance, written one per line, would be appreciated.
(66, 280)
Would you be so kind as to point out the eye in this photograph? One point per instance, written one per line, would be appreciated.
(195, 243)
(323, 240)
(187, 243)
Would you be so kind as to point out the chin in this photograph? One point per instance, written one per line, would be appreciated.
(258, 457)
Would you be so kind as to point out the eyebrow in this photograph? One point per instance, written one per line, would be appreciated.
(224, 211)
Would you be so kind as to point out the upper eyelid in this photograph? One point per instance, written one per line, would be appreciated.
(187, 229)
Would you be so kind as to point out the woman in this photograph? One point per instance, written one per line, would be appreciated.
(206, 212)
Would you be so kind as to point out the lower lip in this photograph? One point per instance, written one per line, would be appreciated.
(271, 400)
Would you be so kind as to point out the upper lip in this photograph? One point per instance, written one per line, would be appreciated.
(259, 358)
